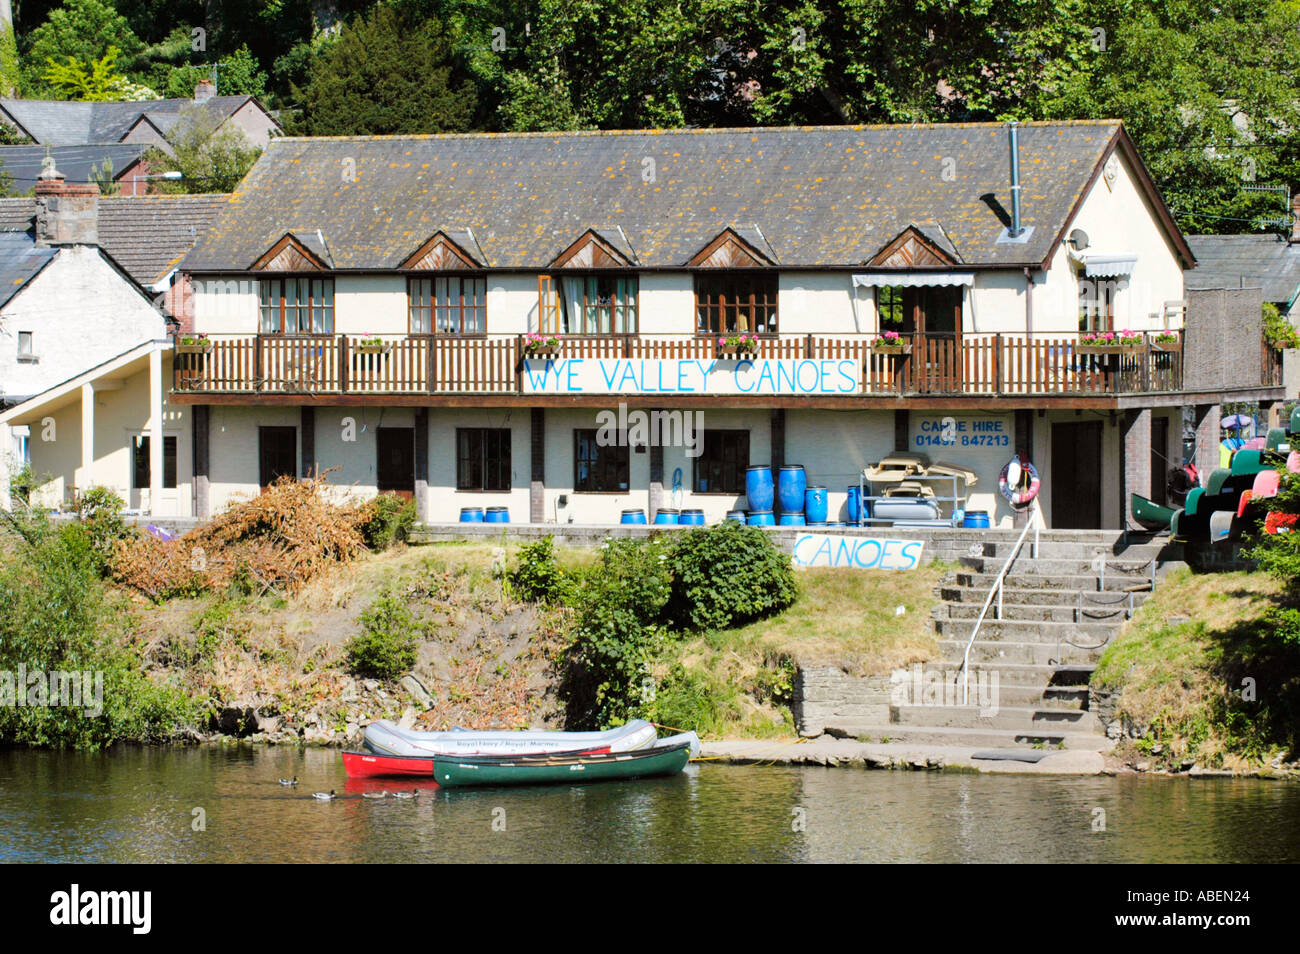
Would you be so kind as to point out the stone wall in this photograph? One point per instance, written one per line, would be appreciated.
(827, 699)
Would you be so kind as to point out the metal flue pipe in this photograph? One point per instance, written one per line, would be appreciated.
(1013, 128)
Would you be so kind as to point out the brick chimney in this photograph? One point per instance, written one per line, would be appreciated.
(67, 213)
(204, 91)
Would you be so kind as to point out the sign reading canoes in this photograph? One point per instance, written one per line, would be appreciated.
(856, 553)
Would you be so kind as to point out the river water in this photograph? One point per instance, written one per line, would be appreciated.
(139, 804)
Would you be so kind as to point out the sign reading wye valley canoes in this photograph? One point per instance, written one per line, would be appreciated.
(691, 376)
(856, 553)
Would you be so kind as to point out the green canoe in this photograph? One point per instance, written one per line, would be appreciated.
(460, 771)
(1149, 513)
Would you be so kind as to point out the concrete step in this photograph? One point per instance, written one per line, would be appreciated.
(1161, 552)
(985, 651)
(1039, 596)
(979, 737)
(1071, 675)
(1001, 717)
(1089, 582)
(1067, 613)
(1029, 631)
(1025, 566)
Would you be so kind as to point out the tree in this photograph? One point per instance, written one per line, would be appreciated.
(388, 73)
(237, 75)
(209, 159)
(97, 81)
(80, 30)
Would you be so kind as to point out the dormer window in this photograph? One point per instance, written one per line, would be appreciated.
(296, 306)
(729, 302)
(448, 305)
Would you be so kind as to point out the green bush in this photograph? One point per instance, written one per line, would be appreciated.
(55, 616)
(538, 578)
(387, 647)
(100, 513)
(389, 521)
(728, 575)
(692, 700)
(619, 632)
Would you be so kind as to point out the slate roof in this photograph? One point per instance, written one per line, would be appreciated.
(146, 235)
(1231, 261)
(820, 196)
(23, 163)
(58, 123)
(20, 262)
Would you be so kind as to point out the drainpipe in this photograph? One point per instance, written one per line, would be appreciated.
(1029, 301)
(1013, 130)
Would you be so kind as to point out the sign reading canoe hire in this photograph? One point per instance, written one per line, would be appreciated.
(691, 376)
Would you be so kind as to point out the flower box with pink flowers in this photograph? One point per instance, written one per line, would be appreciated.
(891, 342)
(540, 345)
(1111, 342)
(193, 344)
(738, 344)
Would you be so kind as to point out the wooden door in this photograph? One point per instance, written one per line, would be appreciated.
(1076, 475)
(395, 465)
(277, 454)
(1160, 462)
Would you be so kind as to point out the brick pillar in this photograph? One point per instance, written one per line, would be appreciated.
(308, 462)
(902, 428)
(202, 459)
(537, 481)
(1206, 417)
(422, 464)
(1023, 439)
(1136, 454)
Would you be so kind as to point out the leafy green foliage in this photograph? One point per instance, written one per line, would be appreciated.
(100, 513)
(727, 575)
(52, 612)
(618, 633)
(94, 81)
(387, 647)
(388, 522)
(388, 73)
(207, 159)
(538, 578)
(83, 31)
(1278, 331)
(689, 699)
(237, 75)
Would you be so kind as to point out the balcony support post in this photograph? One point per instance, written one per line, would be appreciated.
(343, 364)
(422, 464)
(537, 482)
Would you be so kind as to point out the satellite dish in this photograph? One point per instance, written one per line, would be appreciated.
(1078, 240)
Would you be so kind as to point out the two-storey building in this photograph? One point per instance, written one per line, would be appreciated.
(368, 305)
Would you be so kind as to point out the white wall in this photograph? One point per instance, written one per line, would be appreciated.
(82, 312)
(445, 501)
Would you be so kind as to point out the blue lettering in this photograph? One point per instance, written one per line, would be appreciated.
(747, 366)
(766, 375)
(628, 372)
(795, 552)
(912, 552)
(799, 369)
(607, 371)
(681, 375)
(785, 377)
(850, 379)
(857, 554)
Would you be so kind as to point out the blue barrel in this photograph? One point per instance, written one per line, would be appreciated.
(816, 503)
(791, 520)
(663, 517)
(471, 514)
(738, 516)
(633, 516)
(855, 498)
(975, 520)
(497, 515)
(692, 518)
(791, 487)
(816, 523)
(760, 518)
(758, 488)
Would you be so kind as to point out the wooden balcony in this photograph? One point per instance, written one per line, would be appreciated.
(997, 365)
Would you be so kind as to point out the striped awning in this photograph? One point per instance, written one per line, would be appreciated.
(912, 279)
(1109, 266)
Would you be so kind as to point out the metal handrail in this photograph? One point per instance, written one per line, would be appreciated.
(996, 590)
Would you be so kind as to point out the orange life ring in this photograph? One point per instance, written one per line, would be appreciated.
(1025, 488)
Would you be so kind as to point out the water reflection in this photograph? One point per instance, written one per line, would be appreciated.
(138, 805)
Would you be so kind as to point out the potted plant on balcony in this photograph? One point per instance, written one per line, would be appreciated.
(890, 342)
(1110, 342)
(193, 344)
(541, 345)
(1167, 341)
(369, 344)
(738, 344)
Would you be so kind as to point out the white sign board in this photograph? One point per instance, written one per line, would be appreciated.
(692, 376)
(856, 553)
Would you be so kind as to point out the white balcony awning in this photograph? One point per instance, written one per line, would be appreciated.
(912, 279)
(1109, 266)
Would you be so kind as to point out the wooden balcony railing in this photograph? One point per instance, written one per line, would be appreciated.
(966, 364)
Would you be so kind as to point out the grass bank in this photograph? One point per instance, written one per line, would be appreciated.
(1200, 675)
